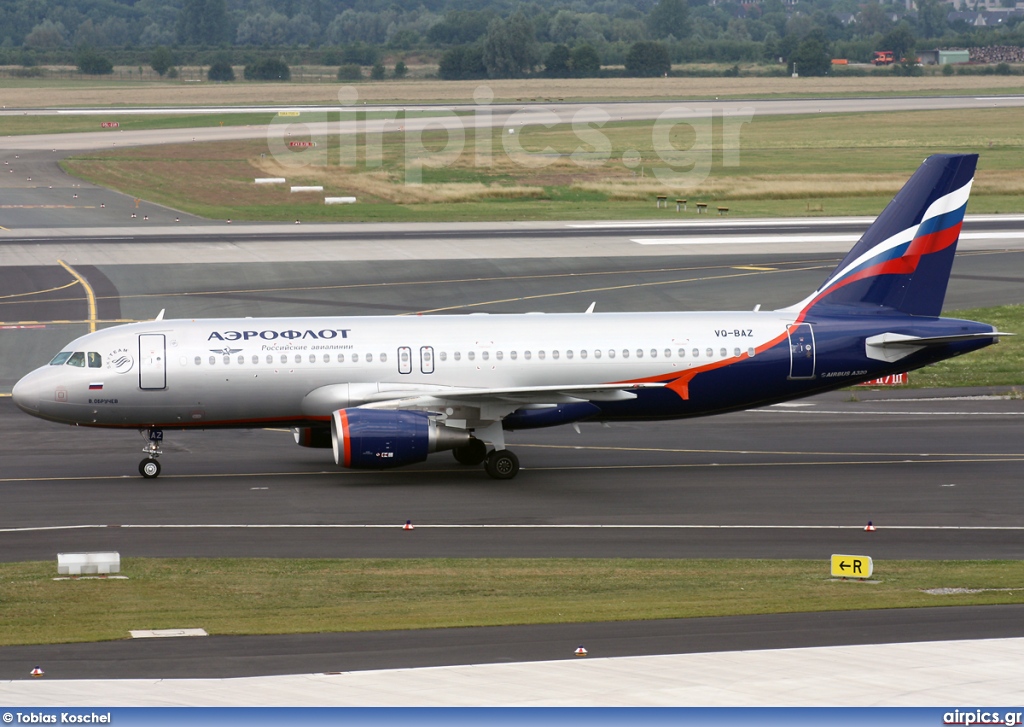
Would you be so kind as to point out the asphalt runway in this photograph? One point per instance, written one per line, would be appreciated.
(222, 657)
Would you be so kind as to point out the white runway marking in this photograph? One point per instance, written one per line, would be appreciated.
(492, 526)
(776, 238)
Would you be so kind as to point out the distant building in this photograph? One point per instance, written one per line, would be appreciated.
(941, 56)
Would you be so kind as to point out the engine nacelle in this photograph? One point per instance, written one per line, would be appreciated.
(380, 439)
(315, 437)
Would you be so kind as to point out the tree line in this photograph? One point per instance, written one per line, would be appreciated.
(477, 39)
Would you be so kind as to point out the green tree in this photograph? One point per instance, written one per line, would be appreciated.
(556, 65)
(812, 57)
(585, 63)
(401, 70)
(350, 72)
(204, 22)
(221, 70)
(91, 62)
(931, 18)
(900, 40)
(161, 59)
(462, 62)
(267, 69)
(510, 48)
(647, 59)
(378, 71)
(669, 17)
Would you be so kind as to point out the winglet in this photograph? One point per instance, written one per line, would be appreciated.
(160, 315)
(591, 308)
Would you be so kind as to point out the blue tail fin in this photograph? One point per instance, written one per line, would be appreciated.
(903, 261)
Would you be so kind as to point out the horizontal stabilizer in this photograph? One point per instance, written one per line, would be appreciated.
(892, 347)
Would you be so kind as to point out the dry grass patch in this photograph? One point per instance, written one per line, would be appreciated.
(128, 93)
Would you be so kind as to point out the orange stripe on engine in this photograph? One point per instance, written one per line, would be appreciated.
(346, 452)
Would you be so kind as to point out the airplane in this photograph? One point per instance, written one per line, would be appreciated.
(386, 392)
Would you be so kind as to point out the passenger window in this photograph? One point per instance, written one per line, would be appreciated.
(513, 355)
(723, 352)
(95, 360)
(527, 355)
(568, 354)
(227, 360)
(60, 358)
(255, 359)
(341, 358)
(540, 355)
(284, 358)
(499, 355)
(736, 352)
(383, 358)
(751, 352)
(696, 353)
(444, 356)
(213, 360)
(270, 359)
(298, 358)
(327, 358)
(654, 353)
(457, 355)
(554, 354)
(682, 353)
(241, 359)
(711, 353)
(583, 353)
(639, 353)
(471, 355)
(597, 353)
(369, 358)
(199, 361)
(625, 353)
(312, 358)
(611, 353)
(355, 358)
(77, 359)
(485, 355)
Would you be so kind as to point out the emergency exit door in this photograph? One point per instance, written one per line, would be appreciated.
(802, 352)
(152, 361)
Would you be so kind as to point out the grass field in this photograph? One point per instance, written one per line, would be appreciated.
(43, 93)
(828, 164)
(261, 596)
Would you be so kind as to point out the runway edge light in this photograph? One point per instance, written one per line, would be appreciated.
(37, 672)
(408, 525)
(869, 528)
(581, 651)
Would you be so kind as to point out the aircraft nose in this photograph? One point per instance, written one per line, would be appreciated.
(26, 394)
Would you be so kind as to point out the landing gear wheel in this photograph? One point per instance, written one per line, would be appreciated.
(473, 453)
(149, 468)
(502, 464)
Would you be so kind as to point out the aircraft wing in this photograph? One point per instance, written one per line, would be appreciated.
(509, 399)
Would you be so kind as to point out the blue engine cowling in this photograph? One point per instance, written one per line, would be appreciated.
(379, 439)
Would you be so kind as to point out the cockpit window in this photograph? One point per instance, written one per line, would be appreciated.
(77, 359)
(60, 358)
(95, 360)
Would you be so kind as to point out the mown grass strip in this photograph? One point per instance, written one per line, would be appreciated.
(271, 596)
(829, 164)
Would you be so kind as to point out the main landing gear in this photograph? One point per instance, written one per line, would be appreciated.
(499, 464)
(150, 467)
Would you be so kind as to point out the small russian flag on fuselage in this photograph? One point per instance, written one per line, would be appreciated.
(95, 387)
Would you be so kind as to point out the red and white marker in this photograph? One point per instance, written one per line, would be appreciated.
(869, 528)
(408, 525)
(581, 651)
(37, 672)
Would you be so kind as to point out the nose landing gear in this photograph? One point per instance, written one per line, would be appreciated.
(150, 467)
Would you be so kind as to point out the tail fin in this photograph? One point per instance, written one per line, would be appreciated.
(903, 261)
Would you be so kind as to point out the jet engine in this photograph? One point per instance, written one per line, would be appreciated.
(381, 439)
